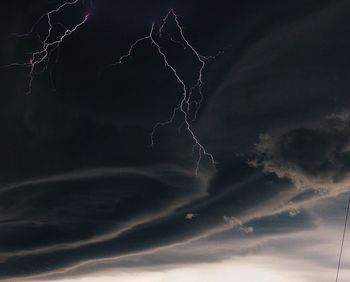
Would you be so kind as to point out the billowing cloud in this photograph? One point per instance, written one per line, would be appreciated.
(315, 159)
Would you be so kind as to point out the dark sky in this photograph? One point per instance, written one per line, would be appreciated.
(79, 181)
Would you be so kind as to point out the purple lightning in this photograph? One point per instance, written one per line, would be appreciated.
(188, 106)
(187, 101)
(39, 60)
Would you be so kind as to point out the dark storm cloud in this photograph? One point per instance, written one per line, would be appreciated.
(290, 71)
(79, 183)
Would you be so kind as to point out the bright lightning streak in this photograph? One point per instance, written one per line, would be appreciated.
(184, 107)
(188, 106)
(39, 60)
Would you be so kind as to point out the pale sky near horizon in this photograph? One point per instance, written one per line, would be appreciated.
(313, 260)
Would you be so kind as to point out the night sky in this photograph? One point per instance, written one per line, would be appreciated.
(99, 181)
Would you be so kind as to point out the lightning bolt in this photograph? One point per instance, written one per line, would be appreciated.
(39, 60)
(188, 107)
(187, 101)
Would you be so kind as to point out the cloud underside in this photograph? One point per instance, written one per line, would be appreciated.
(86, 221)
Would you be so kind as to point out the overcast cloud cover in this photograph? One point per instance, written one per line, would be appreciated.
(83, 195)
